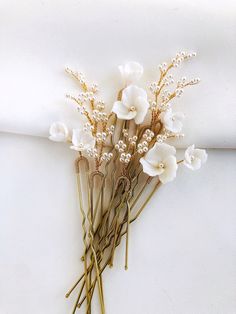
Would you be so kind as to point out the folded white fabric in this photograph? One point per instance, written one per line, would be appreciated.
(38, 39)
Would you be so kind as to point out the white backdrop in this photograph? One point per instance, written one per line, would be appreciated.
(189, 228)
(39, 38)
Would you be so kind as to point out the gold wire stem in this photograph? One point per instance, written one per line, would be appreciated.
(127, 236)
(113, 223)
(100, 195)
(78, 161)
(114, 241)
(131, 209)
(101, 271)
(77, 282)
(104, 266)
(99, 198)
(117, 241)
(99, 282)
(90, 217)
(118, 238)
(78, 298)
(94, 282)
(104, 212)
(141, 191)
(146, 201)
(105, 224)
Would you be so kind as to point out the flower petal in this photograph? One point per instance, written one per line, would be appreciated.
(58, 132)
(195, 164)
(123, 111)
(149, 169)
(165, 150)
(201, 154)
(176, 126)
(188, 153)
(131, 72)
(170, 170)
(82, 140)
(172, 121)
(131, 93)
(142, 105)
(158, 153)
(152, 155)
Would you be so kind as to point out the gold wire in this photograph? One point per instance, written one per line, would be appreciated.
(127, 236)
(78, 161)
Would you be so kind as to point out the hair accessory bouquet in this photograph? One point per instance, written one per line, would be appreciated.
(124, 156)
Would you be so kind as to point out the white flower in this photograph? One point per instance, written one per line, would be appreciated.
(131, 72)
(194, 158)
(82, 140)
(133, 104)
(161, 161)
(172, 121)
(58, 132)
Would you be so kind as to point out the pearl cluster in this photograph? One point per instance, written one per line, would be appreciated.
(125, 133)
(143, 147)
(110, 130)
(79, 75)
(81, 78)
(81, 109)
(100, 105)
(181, 56)
(154, 87)
(101, 137)
(88, 127)
(147, 138)
(125, 158)
(165, 95)
(183, 82)
(86, 96)
(153, 104)
(99, 116)
(148, 135)
(168, 80)
(94, 88)
(194, 81)
(179, 135)
(179, 92)
(163, 67)
(120, 146)
(92, 152)
(132, 140)
(164, 106)
(80, 101)
(106, 156)
(162, 137)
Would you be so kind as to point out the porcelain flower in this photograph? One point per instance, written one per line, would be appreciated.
(133, 105)
(160, 161)
(82, 140)
(58, 132)
(131, 72)
(172, 121)
(194, 158)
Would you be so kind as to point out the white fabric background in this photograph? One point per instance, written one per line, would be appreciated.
(189, 225)
(39, 38)
(188, 228)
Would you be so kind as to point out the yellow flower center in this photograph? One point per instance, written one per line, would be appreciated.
(161, 165)
(132, 108)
